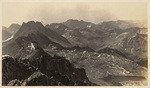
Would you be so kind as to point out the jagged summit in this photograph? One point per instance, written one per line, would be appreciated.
(71, 23)
(28, 28)
(34, 31)
(75, 20)
(32, 27)
(33, 23)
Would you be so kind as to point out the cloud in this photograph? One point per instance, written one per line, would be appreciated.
(49, 12)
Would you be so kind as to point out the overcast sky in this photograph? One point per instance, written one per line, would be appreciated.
(50, 12)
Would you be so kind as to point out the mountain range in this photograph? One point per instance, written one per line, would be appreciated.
(75, 53)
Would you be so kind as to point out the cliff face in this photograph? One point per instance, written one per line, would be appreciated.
(57, 67)
(36, 79)
(13, 69)
(40, 69)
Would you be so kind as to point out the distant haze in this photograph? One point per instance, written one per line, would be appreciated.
(51, 12)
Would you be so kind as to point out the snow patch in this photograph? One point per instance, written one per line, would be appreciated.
(5, 55)
(89, 26)
(8, 38)
(99, 55)
(131, 50)
(84, 52)
(31, 46)
(112, 57)
(122, 35)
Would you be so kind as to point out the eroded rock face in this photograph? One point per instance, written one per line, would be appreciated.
(40, 69)
(57, 67)
(39, 79)
(14, 82)
(112, 52)
(36, 79)
(12, 69)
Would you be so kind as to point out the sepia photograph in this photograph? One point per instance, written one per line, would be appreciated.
(74, 43)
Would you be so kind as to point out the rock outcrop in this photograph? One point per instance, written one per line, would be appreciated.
(13, 69)
(52, 71)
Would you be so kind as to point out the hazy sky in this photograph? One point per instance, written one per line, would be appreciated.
(49, 12)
